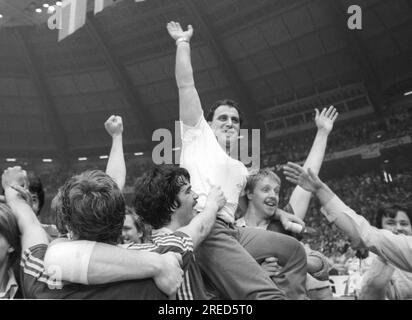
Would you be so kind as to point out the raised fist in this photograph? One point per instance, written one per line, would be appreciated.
(13, 177)
(114, 126)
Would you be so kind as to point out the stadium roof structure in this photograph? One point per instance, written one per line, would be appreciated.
(55, 96)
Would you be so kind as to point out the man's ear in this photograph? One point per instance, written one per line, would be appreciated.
(249, 195)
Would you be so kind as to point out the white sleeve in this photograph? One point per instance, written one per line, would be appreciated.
(395, 248)
(71, 258)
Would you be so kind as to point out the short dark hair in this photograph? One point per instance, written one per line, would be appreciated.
(390, 211)
(36, 187)
(10, 231)
(225, 102)
(92, 207)
(138, 222)
(155, 196)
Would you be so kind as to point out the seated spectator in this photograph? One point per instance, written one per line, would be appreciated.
(9, 253)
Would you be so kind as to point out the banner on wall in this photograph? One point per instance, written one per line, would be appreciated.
(71, 15)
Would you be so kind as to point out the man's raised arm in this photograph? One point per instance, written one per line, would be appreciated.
(116, 167)
(300, 198)
(394, 248)
(190, 108)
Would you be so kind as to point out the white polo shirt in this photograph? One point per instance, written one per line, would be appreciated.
(208, 164)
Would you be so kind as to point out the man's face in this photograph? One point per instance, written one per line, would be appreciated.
(188, 201)
(36, 202)
(265, 197)
(129, 231)
(399, 224)
(226, 125)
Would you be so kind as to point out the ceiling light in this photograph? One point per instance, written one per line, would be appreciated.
(46, 5)
(11, 159)
(38, 10)
(407, 93)
(82, 159)
(138, 153)
(104, 157)
(58, 3)
(47, 160)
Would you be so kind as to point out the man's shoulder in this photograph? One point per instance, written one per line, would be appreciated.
(165, 241)
(176, 239)
(34, 253)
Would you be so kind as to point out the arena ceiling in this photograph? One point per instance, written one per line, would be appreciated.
(55, 96)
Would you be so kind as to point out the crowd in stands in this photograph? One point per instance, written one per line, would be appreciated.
(348, 135)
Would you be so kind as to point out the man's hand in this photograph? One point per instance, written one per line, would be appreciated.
(170, 277)
(271, 266)
(325, 120)
(297, 175)
(176, 31)
(14, 177)
(216, 197)
(287, 218)
(114, 126)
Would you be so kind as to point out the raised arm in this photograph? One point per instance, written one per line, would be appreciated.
(395, 248)
(300, 198)
(32, 233)
(89, 262)
(201, 225)
(116, 167)
(190, 108)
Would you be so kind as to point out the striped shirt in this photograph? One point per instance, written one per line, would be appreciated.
(192, 286)
(38, 283)
(35, 276)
